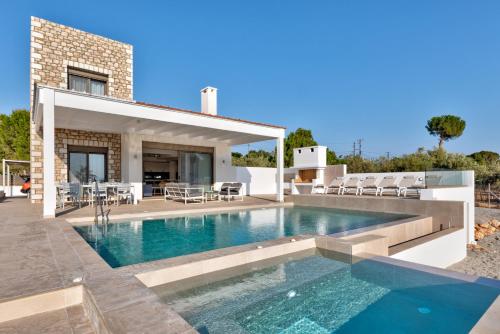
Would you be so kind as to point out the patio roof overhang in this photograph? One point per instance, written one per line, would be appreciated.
(60, 108)
(79, 111)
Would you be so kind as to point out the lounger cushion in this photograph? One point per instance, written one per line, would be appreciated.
(230, 188)
(195, 193)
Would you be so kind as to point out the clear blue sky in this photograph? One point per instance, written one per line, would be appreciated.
(375, 70)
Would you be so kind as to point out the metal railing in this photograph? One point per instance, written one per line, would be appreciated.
(98, 200)
(487, 196)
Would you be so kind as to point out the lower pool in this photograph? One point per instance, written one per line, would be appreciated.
(317, 292)
(140, 241)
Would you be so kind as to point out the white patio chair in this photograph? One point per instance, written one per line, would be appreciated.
(68, 192)
(353, 183)
(411, 183)
(192, 194)
(122, 191)
(369, 184)
(231, 190)
(102, 194)
(172, 190)
(335, 185)
(387, 183)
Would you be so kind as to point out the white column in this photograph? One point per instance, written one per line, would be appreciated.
(4, 170)
(9, 186)
(131, 162)
(49, 186)
(279, 169)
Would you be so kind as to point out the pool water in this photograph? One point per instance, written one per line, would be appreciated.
(311, 292)
(127, 243)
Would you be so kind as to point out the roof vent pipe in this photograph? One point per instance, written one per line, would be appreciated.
(209, 100)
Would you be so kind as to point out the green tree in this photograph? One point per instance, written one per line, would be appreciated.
(253, 158)
(331, 157)
(299, 138)
(15, 135)
(445, 127)
(485, 157)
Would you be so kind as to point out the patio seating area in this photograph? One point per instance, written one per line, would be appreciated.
(84, 197)
(87, 194)
(159, 207)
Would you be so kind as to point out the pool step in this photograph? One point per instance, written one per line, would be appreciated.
(40, 303)
(305, 325)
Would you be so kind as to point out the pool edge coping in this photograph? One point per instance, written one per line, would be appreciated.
(120, 218)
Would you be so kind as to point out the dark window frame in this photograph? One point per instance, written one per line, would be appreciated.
(89, 76)
(87, 150)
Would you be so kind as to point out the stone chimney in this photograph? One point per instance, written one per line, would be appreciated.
(209, 100)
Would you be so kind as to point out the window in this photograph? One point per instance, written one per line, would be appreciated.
(312, 149)
(87, 82)
(86, 162)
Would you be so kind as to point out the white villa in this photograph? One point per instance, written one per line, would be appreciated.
(85, 122)
(265, 262)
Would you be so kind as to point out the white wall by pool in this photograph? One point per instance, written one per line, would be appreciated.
(441, 252)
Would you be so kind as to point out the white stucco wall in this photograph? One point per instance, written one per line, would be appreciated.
(306, 157)
(257, 180)
(441, 252)
(12, 191)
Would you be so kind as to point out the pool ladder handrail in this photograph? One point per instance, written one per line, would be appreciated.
(98, 201)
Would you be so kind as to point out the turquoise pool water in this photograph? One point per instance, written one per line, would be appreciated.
(147, 240)
(317, 293)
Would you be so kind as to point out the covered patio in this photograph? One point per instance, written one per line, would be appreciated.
(132, 124)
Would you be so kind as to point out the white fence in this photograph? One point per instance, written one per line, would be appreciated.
(12, 191)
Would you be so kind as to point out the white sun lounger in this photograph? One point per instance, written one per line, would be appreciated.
(369, 184)
(387, 183)
(335, 185)
(409, 182)
(351, 184)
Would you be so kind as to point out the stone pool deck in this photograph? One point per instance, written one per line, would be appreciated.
(43, 257)
(159, 208)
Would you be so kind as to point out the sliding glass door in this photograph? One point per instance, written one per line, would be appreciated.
(196, 168)
(84, 164)
(78, 167)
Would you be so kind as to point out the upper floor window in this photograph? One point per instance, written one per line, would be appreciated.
(87, 82)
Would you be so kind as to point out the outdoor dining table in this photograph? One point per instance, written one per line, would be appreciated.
(87, 189)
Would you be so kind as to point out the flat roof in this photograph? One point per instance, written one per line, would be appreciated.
(207, 115)
(160, 106)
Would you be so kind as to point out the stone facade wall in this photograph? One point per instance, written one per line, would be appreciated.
(65, 137)
(54, 48)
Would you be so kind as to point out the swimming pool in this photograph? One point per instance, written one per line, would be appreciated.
(140, 241)
(318, 292)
